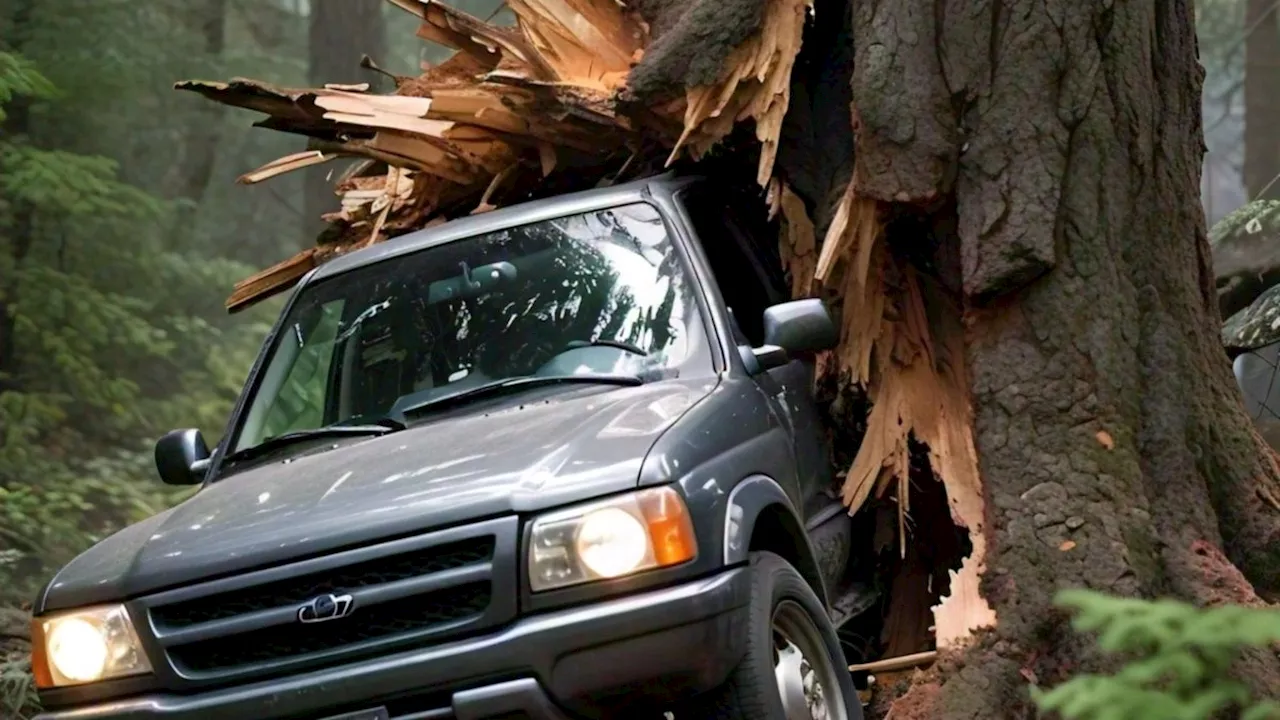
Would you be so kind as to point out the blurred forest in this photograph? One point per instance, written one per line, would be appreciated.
(122, 231)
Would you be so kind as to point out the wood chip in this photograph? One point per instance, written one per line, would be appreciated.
(286, 164)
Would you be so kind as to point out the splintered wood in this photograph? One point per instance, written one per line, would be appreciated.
(904, 344)
(539, 95)
(798, 252)
(756, 85)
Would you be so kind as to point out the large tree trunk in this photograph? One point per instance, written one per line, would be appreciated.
(1262, 99)
(1111, 443)
(341, 32)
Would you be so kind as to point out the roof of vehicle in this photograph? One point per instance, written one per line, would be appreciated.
(511, 216)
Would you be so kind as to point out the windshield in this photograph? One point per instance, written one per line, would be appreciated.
(602, 293)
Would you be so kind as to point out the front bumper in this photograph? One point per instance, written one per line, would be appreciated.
(638, 652)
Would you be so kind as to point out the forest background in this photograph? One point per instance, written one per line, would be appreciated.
(122, 230)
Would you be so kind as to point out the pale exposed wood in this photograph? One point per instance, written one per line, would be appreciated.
(358, 104)
(756, 86)
(431, 128)
(485, 205)
(547, 157)
(536, 95)
(798, 251)
(354, 87)
(914, 374)
(589, 43)
(895, 664)
(272, 280)
(286, 164)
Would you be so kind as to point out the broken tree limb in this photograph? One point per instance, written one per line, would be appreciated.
(537, 94)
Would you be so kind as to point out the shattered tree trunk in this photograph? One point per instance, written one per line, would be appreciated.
(1058, 146)
(1008, 223)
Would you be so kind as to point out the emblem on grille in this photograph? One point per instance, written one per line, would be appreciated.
(325, 608)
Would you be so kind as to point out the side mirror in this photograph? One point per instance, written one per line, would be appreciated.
(182, 457)
(799, 327)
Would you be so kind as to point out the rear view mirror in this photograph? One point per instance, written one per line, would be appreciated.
(800, 327)
(182, 457)
(471, 283)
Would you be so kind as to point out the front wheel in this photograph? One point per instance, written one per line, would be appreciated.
(794, 668)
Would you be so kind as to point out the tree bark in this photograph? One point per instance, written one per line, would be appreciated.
(1262, 99)
(341, 32)
(1100, 389)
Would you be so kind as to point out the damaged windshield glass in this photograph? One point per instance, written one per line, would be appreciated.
(600, 294)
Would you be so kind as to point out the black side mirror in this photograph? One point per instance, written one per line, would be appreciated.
(182, 456)
(799, 327)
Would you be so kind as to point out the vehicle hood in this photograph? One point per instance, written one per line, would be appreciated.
(574, 445)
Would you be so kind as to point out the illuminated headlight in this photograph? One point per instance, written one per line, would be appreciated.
(620, 536)
(85, 646)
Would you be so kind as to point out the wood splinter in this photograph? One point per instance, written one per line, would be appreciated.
(895, 664)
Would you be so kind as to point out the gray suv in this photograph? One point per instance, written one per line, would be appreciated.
(559, 460)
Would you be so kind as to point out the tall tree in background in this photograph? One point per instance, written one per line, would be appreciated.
(206, 22)
(341, 32)
(1262, 99)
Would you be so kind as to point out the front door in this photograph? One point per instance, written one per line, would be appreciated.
(750, 281)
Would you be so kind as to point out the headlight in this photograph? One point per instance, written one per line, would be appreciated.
(85, 646)
(620, 536)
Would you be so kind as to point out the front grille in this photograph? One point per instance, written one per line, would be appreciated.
(283, 641)
(340, 580)
(405, 593)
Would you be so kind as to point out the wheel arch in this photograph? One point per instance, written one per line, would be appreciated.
(760, 517)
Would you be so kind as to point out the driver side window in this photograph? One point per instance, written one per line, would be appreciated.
(300, 401)
(746, 290)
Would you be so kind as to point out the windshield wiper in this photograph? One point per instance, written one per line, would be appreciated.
(382, 427)
(619, 344)
(520, 383)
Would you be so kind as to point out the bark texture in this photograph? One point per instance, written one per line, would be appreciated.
(1113, 448)
(1261, 99)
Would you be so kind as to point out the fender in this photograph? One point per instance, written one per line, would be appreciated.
(757, 497)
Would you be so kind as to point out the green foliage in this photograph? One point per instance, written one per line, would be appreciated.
(117, 336)
(1180, 660)
(17, 696)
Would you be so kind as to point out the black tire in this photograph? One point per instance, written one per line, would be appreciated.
(752, 690)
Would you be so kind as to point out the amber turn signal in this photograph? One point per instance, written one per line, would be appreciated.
(40, 656)
(669, 525)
